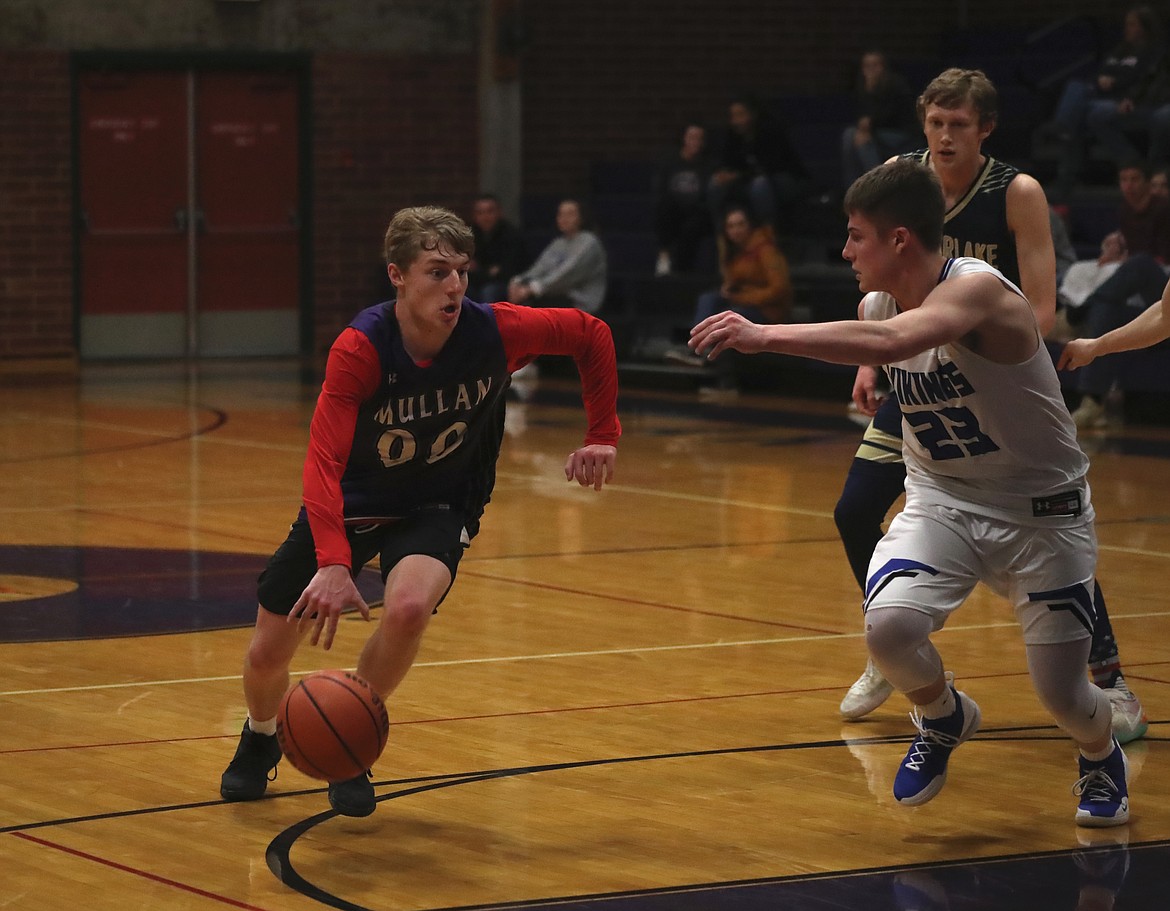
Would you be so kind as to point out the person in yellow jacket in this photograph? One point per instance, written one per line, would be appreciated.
(756, 281)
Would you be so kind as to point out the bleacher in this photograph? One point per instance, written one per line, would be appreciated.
(649, 314)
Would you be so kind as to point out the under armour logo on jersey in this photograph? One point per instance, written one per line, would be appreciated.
(391, 378)
(891, 570)
(1077, 599)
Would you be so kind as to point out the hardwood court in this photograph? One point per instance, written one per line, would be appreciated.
(629, 700)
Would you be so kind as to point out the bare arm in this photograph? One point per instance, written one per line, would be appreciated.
(950, 313)
(1149, 327)
(1028, 220)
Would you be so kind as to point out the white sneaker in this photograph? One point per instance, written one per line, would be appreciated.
(1090, 414)
(1129, 718)
(869, 691)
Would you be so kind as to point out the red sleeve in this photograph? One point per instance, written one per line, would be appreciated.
(531, 331)
(352, 373)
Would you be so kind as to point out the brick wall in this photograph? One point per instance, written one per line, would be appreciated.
(608, 79)
(36, 255)
(387, 133)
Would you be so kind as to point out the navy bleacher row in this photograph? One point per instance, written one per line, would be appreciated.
(649, 313)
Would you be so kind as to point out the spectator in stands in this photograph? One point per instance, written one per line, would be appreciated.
(756, 165)
(1081, 279)
(1145, 110)
(681, 218)
(1123, 75)
(756, 284)
(499, 251)
(1160, 183)
(1142, 251)
(1143, 217)
(886, 124)
(1148, 328)
(570, 271)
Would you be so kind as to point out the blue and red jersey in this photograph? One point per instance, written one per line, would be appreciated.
(390, 435)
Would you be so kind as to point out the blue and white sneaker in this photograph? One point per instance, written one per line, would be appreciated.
(1103, 790)
(924, 770)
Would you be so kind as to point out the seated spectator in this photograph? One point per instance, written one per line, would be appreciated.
(569, 272)
(756, 283)
(681, 218)
(499, 251)
(1148, 328)
(1160, 183)
(1143, 217)
(1122, 76)
(756, 165)
(1081, 279)
(886, 123)
(1142, 249)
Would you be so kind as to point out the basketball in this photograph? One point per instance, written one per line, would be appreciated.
(332, 725)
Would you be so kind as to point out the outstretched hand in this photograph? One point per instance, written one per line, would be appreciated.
(328, 593)
(591, 465)
(726, 330)
(1077, 353)
(865, 394)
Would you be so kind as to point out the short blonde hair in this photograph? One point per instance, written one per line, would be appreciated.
(418, 228)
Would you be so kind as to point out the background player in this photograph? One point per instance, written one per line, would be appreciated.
(1000, 215)
(996, 487)
(401, 463)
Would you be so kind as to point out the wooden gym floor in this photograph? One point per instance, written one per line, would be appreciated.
(628, 701)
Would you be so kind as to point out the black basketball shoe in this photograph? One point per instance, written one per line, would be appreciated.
(253, 766)
(354, 797)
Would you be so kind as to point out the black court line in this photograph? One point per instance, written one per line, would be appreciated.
(277, 854)
(218, 419)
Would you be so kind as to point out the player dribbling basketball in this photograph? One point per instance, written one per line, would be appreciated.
(400, 465)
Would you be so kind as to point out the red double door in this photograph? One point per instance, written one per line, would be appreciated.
(191, 222)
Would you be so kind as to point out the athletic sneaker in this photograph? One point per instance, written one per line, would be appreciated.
(354, 797)
(869, 691)
(1090, 415)
(1129, 718)
(253, 766)
(924, 770)
(1103, 790)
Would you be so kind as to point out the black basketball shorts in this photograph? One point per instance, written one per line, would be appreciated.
(434, 532)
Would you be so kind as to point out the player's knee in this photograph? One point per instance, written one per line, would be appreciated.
(891, 632)
(407, 613)
(265, 658)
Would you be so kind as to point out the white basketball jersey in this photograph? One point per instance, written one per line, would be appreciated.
(994, 439)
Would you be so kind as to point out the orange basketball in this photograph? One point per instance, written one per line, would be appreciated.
(332, 725)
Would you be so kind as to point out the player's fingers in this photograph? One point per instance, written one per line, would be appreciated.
(363, 608)
(330, 632)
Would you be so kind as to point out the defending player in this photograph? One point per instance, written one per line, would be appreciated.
(999, 215)
(401, 462)
(996, 488)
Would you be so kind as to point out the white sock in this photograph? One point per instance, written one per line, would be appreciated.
(267, 728)
(943, 707)
(1101, 756)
